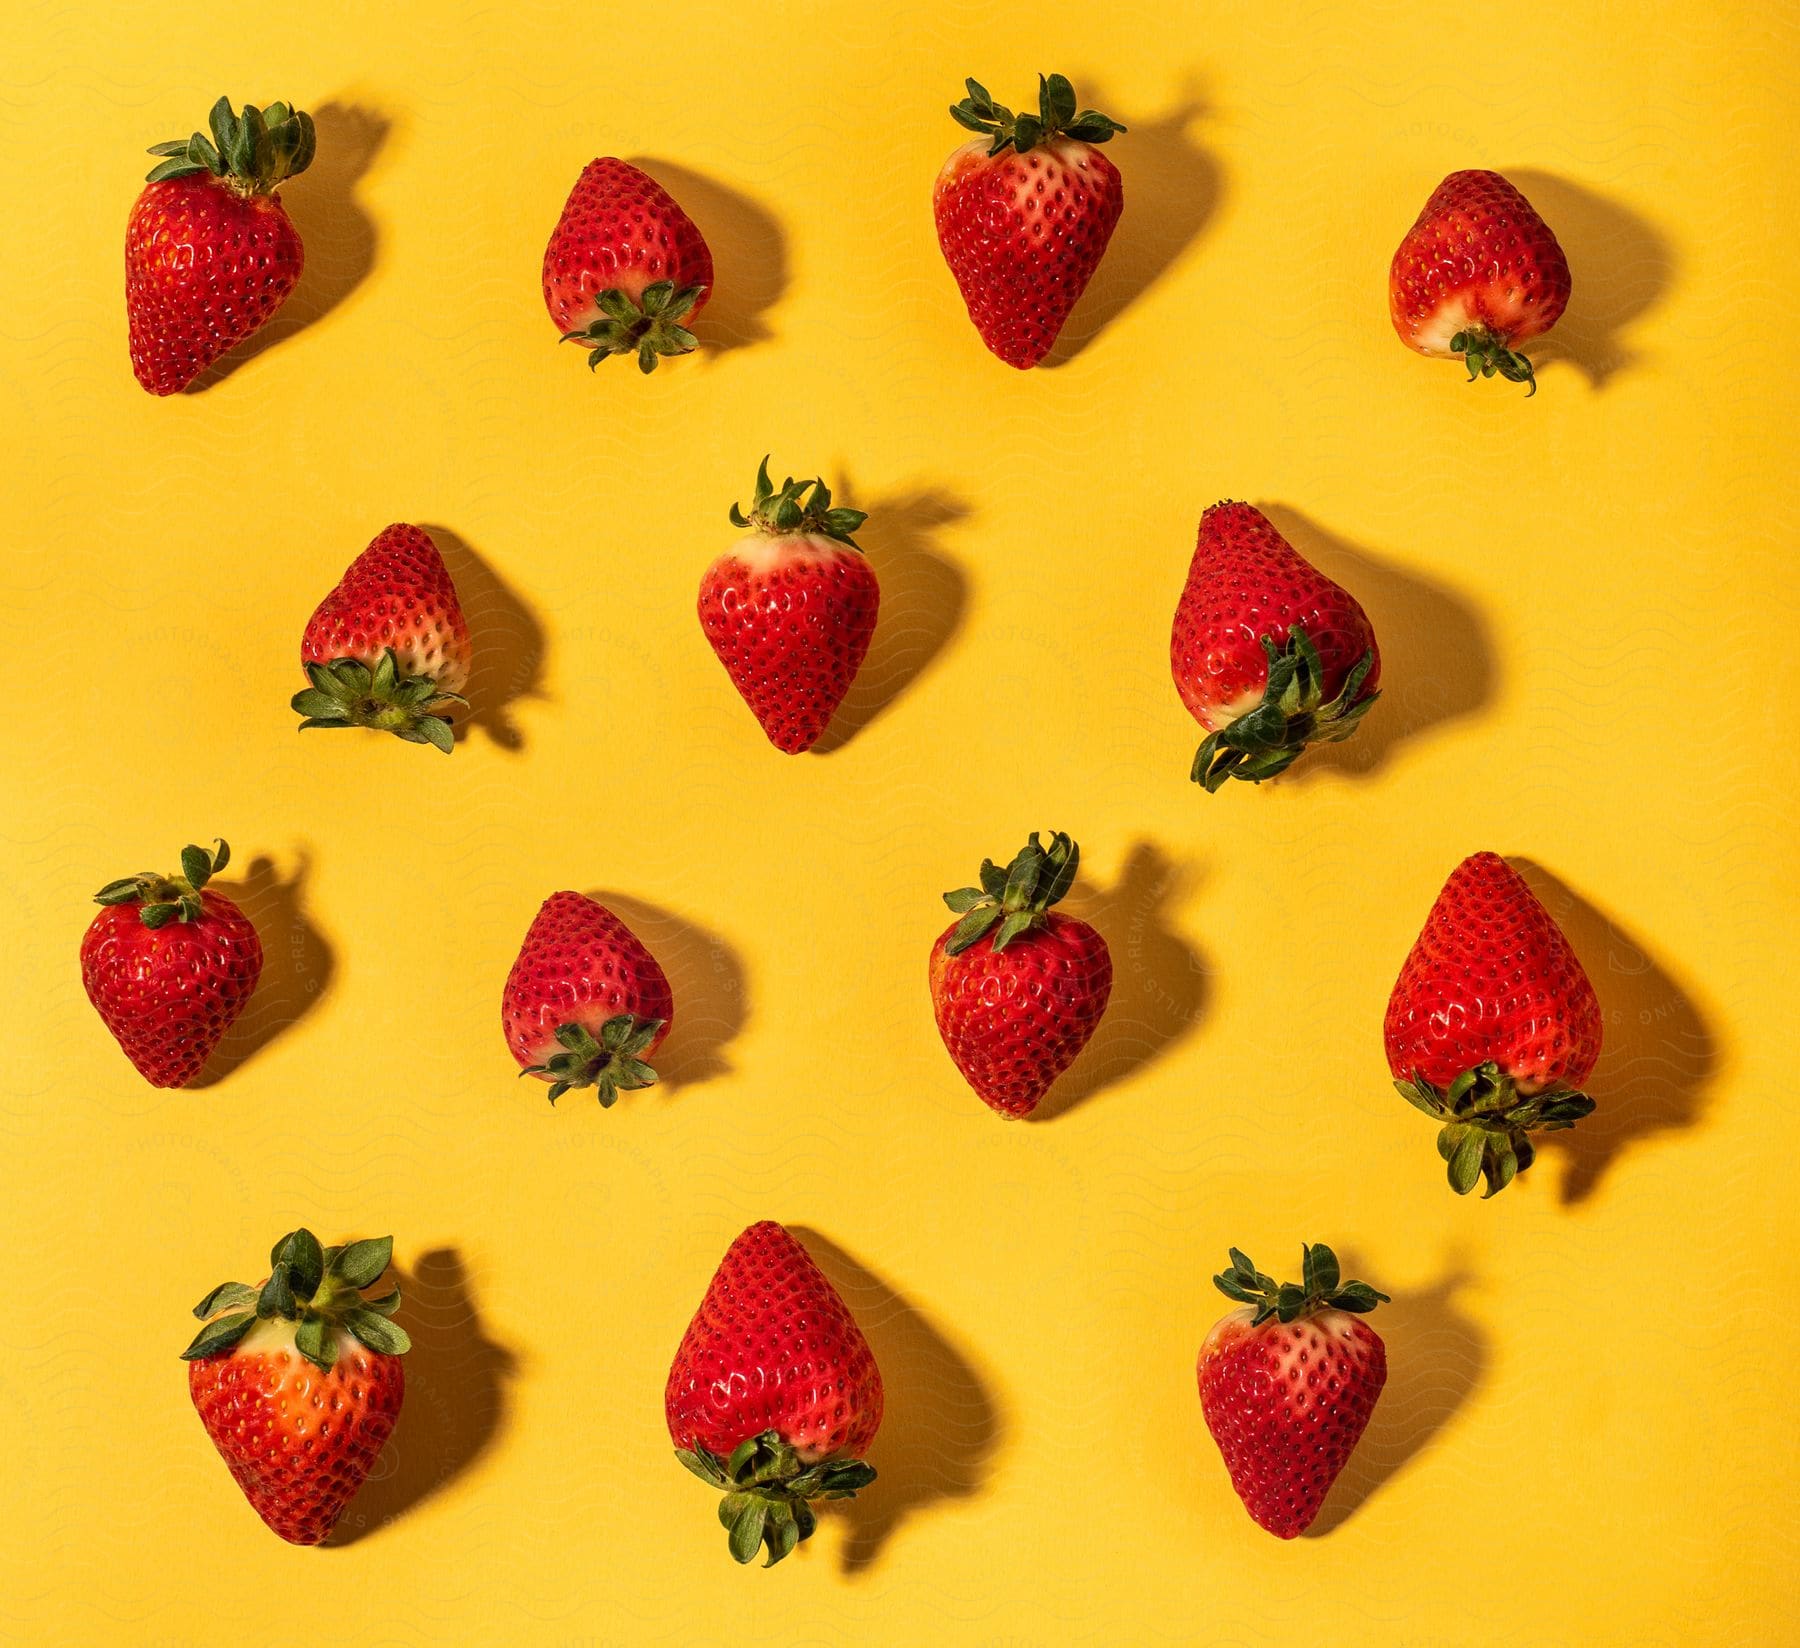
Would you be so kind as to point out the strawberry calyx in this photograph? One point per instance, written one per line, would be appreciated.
(1321, 1288)
(768, 1491)
(1488, 1123)
(1268, 739)
(1485, 352)
(648, 326)
(161, 898)
(608, 1063)
(796, 508)
(1056, 117)
(319, 1289)
(254, 152)
(347, 693)
(1014, 899)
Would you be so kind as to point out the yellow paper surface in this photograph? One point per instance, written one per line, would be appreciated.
(1584, 603)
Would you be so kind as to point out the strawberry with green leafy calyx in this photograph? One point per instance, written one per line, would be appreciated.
(299, 1381)
(1268, 654)
(210, 253)
(626, 270)
(1017, 987)
(790, 609)
(773, 1396)
(1493, 1027)
(1288, 1382)
(169, 964)
(586, 1004)
(1024, 213)
(388, 648)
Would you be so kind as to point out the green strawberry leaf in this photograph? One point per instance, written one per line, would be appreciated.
(360, 1264)
(219, 1336)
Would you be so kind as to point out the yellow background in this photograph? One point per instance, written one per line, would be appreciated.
(1584, 603)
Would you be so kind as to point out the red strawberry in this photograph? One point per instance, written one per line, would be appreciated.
(791, 609)
(209, 252)
(774, 1394)
(1493, 1026)
(626, 271)
(1268, 653)
(388, 648)
(1024, 213)
(1478, 273)
(1288, 1383)
(585, 1003)
(169, 966)
(299, 1382)
(1016, 1007)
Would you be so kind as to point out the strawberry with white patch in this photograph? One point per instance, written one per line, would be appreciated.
(1287, 1384)
(586, 1004)
(626, 271)
(299, 1381)
(1477, 275)
(1268, 654)
(388, 648)
(790, 610)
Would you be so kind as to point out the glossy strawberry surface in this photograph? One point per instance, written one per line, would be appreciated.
(773, 1348)
(1023, 235)
(1478, 258)
(168, 994)
(1287, 1402)
(790, 617)
(1246, 581)
(620, 229)
(298, 1441)
(579, 964)
(1492, 977)
(1015, 1019)
(397, 594)
(205, 267)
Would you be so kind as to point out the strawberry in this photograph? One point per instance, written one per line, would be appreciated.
(774, 1394)
(1268, 653)
(209, 252)
(1287, 1384)
(1478, 273)
(791, 609)
(169, 964)
(585, 1003)
(388, 648)
(299, 1382)
(1493, 1026)
(1017, 988)
(626, 271)
(1024, 213)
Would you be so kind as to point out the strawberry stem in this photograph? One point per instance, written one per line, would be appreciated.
(609, 1063)
(1268, 739)
(1319, 1289)
(1056, 117)
(254, 152)
(1015, 898)
(347, 693)
(796, 507)
(162, 899)
(1485, 352)
(769, 1491)
(649, 326)
(320, 1289)
(1487, 1123)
